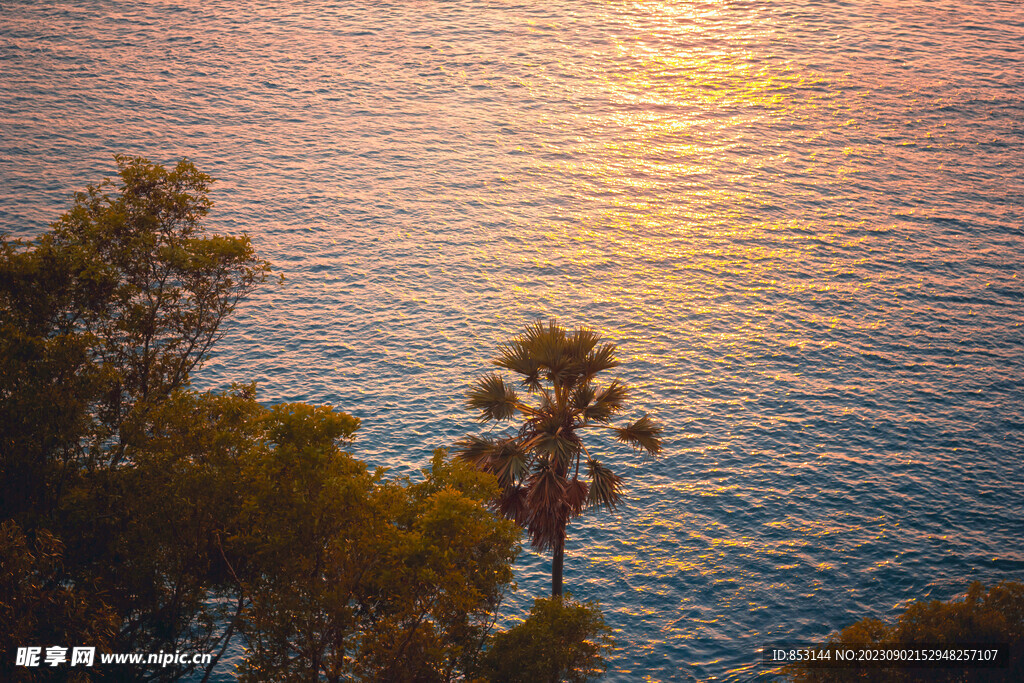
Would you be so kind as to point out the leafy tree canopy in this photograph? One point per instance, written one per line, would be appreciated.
(993, 616)
(561, 640)
(103, 316)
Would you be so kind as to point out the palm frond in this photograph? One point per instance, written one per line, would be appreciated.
(545, 491)
(492, 398)
(553, 435)
(599, 360)
(643, 433)
(509, 463)
(545, 532)
(606, 403)
(475, 450)
(516, 357)
(582, 395)
(512, 504)
(547, 344)
(537, 335)
(560, 451)
(576, 493)
(581, 342)
(549, 512)
(605, 486)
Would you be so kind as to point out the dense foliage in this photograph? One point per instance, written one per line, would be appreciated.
(561, 640)
(995, 616)
(138, 516)
(538, 465)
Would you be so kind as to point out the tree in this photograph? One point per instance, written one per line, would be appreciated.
(561, 640)
(233, 518)
(995, 616)
(104, 316)
(162, 532)
(354, 577)
(102, 320)
(538, 465)
(36, 606)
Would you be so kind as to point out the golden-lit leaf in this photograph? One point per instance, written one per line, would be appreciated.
(599, 360)
(581, 342)
(606, 403)
(518, 359)
(547, 345)
(643, 433)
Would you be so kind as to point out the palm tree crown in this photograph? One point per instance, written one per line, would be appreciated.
(538, 466)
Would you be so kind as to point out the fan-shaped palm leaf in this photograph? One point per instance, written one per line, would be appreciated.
(580, 343)
(605, 486)
(512, 504)
(582, 396)
(599, 360)
(576, 496)
(643, 433)
(547, 344)
(475, 450)
(492, 398)
(518, 359)
(606, 403)
(509, 463)
(552, 435)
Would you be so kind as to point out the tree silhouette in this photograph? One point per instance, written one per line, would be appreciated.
(538, 465)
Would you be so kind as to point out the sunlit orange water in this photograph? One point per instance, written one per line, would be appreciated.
(801, 221)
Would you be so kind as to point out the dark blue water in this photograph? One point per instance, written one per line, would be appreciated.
(801, 222)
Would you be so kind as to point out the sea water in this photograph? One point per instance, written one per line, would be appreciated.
(801, 222)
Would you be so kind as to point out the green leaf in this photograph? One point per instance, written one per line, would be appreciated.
(561, 640)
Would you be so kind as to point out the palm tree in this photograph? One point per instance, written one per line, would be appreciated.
(538, 465)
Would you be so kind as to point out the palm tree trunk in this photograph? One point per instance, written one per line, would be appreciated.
(557, 560)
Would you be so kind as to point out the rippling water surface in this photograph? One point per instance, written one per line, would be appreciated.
(801, 222)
